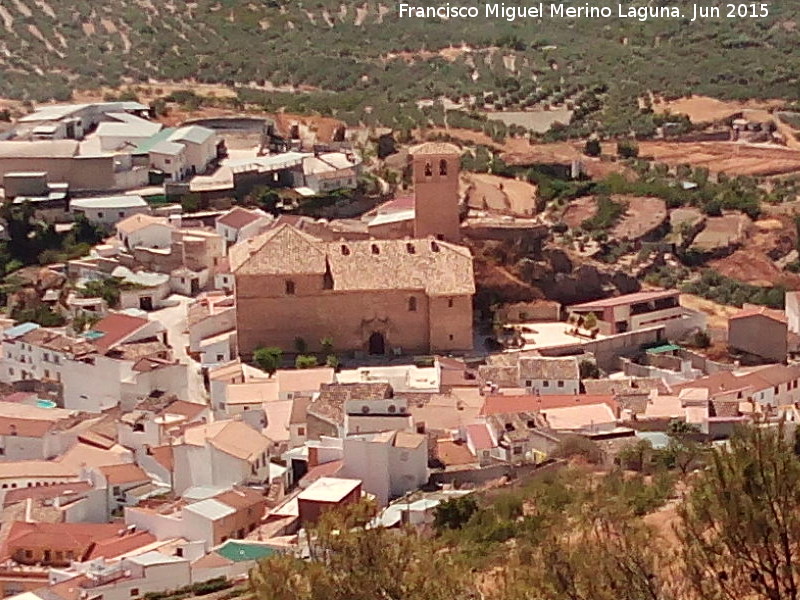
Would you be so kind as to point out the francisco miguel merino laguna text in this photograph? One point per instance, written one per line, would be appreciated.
(554, 11)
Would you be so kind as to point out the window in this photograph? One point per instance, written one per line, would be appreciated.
(290, 288)
(412, 304)
(220, 357)
(47, 556)
(47, 373)
(434, 247)
(121, 214)
(116, 490)
(376, 249)
(545, 384)
(528, 383)
(179, 552)
(134, 592)
(428, 170)
(411, 248)
(2, 451)
(345, 250)
(11, 371)
(776, 389)
(56, 359)
(99, 215)
(560, 384)
(46, 357)
(28, 553)
(443, 167)
(449, 303)
(451, 337)
(167, 161)
(301, 431)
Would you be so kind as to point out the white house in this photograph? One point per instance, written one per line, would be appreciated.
(109, 210)
(201, 146)
(223, 453)
(241, 223)
(390, 464)
(124, 132)
(169, 158)
(145, 231)
(545, 376)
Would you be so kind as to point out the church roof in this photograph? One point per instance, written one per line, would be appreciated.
(439, 268)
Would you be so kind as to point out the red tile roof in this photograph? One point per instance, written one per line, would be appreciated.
(499, 404)
(125, 473)
(45, 491)
(75, 537)
(238, 217)
(121, 544)
(762, 311)
(32, 428)
(627, 299)
(328, 469)
(479, 435)
(163, 455)
(116, 327)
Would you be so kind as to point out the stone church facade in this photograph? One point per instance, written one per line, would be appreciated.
(375, 296)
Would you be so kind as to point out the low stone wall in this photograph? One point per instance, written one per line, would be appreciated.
(483, 475)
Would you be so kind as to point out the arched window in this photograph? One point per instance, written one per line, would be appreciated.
(289, 287)
(345, 250)
(412, 304)
(428, 170)
(376, 249)
(410, 248)
(443, 167)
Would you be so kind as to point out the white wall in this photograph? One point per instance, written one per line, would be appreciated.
(547, 387)
(155, 235)
(110, 216)
(369, 462)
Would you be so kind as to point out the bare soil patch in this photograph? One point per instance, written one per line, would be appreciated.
(702, 109)
(643, 216)
(725, 157)
(500, 194)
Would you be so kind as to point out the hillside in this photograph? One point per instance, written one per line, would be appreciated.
(363, 51)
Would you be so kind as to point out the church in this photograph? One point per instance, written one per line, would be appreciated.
(374, 296)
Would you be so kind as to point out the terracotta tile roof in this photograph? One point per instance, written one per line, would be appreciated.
(628, 386)
(328, 469)
(58, 342)
(36, 468)
(754, 380)
(536, 367)
(480, 437)
(406, 439)
(329, 404)
(299, 414)
(140, 221)
(121, 544)
(231, 437)
(25, 427)
(190, 410)
(137, 350)
(500, 375)
(116, 327)
(437, 268)
(45, 491)
(453, 453)
(760, 311)
(635, 298)
(534, 402)
(241, 498)
(163, 455)
(126, 473)
(75, 537)
(239, 217)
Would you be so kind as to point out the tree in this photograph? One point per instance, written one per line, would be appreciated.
(588, 369)
(109, 289)
(305, 361)
(332, 361)
(300, 345)
(636, 456)
(268, 358)
(701, 339)
(454, 513)
(327, 345)
(627, 149)
(605, 556)
(740, 525)
(592, 147)
(573, 446)
(590, 321)
(350, 562)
